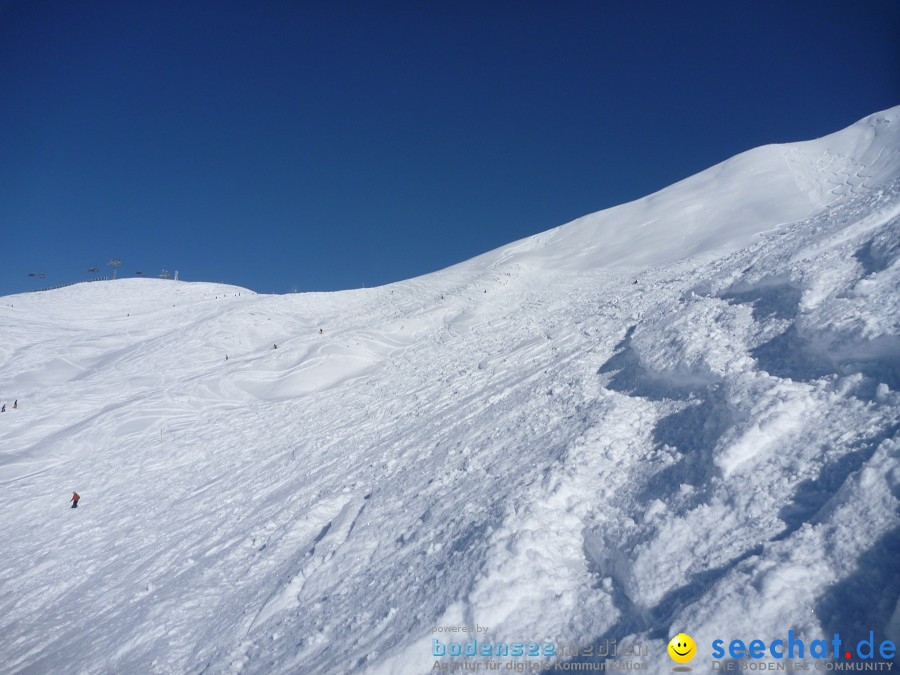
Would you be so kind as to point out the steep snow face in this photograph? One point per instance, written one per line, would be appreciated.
(723, 207)
(679, 415)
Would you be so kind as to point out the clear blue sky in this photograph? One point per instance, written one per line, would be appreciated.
(287, 145)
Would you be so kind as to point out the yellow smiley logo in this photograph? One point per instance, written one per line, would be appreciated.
(682, 648)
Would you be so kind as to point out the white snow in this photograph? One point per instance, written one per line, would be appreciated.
(676, 415)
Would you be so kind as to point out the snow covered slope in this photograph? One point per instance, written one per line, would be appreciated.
(724, 206)
(679, 414)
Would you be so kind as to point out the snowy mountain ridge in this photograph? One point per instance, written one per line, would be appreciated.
(679, 414)
(724, 206)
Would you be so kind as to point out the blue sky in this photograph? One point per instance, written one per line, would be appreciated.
(287, 145)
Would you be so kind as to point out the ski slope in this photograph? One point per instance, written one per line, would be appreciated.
(679, 414)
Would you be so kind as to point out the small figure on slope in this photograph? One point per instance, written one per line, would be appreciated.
(16, 404)
(74, 500)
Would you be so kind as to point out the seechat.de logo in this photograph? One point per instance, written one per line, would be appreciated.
(682, 649)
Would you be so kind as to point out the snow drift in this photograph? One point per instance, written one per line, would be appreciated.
(679, 414)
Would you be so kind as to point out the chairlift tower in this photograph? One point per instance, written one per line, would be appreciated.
(115, 263)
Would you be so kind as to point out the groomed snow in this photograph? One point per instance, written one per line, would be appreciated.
(676, 415)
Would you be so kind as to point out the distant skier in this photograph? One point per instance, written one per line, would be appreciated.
(74, 500)
(274, 346)
(3, 409)
(16, 404)
(321, 332)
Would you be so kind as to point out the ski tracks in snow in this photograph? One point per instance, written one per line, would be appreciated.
(316, 543)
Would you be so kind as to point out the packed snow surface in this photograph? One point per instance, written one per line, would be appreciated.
(676, 415)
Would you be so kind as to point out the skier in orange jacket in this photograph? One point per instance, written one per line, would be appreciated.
(74, 500)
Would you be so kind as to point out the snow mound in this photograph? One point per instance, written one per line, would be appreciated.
(722, 208)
